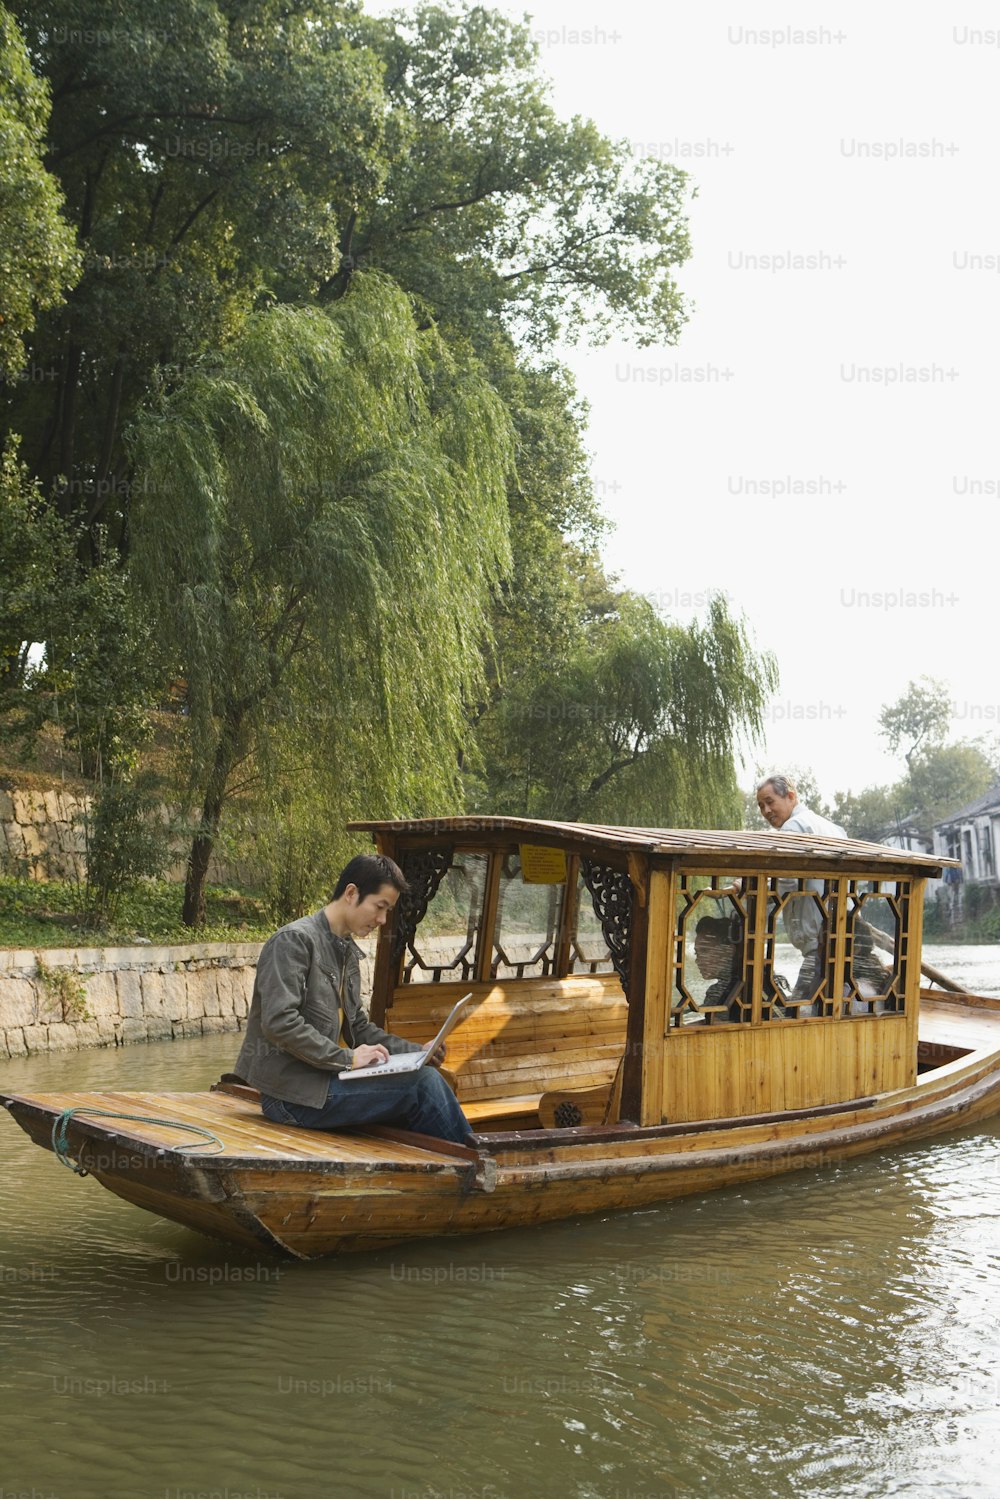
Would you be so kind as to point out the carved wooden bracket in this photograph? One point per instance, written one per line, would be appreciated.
(613, 894)
(424, 869)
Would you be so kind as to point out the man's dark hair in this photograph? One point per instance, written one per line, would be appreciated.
(369, 872)
(718, 929)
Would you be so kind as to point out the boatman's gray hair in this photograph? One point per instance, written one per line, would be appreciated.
(783, 785)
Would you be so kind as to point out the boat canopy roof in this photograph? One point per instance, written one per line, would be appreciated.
(772, 848)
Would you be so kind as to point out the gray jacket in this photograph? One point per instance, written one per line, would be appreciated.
(291, 1049)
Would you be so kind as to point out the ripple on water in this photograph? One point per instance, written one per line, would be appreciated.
(827, 1334)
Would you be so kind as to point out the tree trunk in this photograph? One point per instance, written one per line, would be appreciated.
(193, 911)
(67, 427)
(101, 496)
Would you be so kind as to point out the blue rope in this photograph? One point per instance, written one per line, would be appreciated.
(60, 1132)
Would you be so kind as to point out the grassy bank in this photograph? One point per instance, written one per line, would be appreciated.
(982, 928)
(46, 914)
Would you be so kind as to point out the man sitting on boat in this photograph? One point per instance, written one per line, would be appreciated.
(779, 805)
(306, 1025)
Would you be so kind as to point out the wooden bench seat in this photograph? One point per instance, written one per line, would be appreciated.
(523, 1040)
(509, 1113)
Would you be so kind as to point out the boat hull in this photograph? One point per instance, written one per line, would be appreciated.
(381, 1193)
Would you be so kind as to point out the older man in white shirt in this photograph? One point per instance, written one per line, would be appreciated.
(779, 805)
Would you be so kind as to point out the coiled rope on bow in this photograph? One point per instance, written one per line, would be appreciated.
(60, 1132)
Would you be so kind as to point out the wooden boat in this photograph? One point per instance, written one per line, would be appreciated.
(599, 1067)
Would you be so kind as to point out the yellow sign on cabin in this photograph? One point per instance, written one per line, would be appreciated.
(542, 866)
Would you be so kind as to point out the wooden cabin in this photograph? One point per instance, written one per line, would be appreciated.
(658, 1013)
(579, 943)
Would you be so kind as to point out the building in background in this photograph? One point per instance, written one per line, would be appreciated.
(972, 834)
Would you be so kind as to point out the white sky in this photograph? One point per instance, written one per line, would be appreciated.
(779, 140)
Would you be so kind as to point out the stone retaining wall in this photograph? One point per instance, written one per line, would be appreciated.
(114, 996)
(41, 838)
(39, 834)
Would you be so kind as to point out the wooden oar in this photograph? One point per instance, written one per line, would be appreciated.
(880, 939)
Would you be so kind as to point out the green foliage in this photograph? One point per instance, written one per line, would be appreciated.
(207, 153)
(213, 160)
(65, 985)
(496, 212)
(38, 257)
(635, 721)
(980, 901)
(291, 827)
(100, 667)
(920, 717)
(323, 520)
(36, 568)
(326, 256)
(873, 812)
(38, 915)
(979, 922)
(940, 778)
(948, 777)
(125, 840)
(986, 928)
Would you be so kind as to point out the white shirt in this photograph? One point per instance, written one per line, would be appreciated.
(805, 820)
(803, 921)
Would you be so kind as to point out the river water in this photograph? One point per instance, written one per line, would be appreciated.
(830, 1334)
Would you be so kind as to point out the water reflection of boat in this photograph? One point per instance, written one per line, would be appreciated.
(594, 1067)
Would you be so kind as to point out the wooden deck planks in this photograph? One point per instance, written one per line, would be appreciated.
(238, 1123)
(950, 1024)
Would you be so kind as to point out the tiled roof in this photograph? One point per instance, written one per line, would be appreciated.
(786, 848)
(988, 802)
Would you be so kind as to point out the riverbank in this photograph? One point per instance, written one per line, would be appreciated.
(979, 930)
(63, 999)
(39, 914)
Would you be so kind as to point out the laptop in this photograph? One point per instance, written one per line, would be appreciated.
(409, 1061)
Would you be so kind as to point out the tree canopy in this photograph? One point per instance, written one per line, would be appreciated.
(939, 778)
(303, 409)
(38, 256)
(919, 719)
(217, 154)
(628, 717)
(495, 209)
(322, 519)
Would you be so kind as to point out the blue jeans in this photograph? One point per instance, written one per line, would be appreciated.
(420, 1101)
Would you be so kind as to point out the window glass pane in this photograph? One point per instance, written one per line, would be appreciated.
(524, 941)
(589, 952)
(711, 977)
(799, 951)
(797, 962)
(444, 944)
(874, 976)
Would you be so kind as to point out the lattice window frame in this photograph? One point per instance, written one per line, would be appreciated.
(429, 868)
(892, 1001)
(721, 887)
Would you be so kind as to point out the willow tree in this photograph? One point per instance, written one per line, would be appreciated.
(322, 520)
(636, 722)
